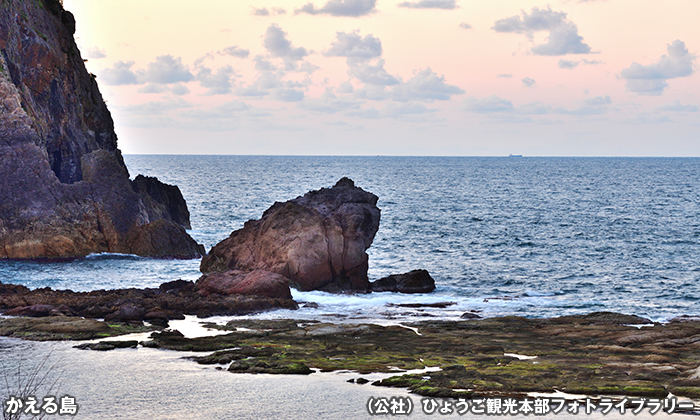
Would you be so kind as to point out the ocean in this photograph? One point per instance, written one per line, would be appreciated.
(534, 237)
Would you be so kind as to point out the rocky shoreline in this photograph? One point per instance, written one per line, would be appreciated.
(600, 353)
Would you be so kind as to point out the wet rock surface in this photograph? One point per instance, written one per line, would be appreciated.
(415, 281)
(486, 357)
(54, 328)
(317, 241)
(171, 301)
(65, 189)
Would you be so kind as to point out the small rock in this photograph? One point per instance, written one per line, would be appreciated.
(415, 281)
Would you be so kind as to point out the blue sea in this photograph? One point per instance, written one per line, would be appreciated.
(535, 237)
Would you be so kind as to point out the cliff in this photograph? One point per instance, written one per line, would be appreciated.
(64, 188)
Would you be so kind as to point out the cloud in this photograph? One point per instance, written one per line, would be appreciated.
(651, 79)
(218, 83)
(226, 110)
(372, 74)
(277, 44)
(235, 51)
(288, 95)
(260, 12)
(528, 82)
(676, 106)
(155, 107)
(592, 62)
(505, 75)
(465, 25)
(567, 64)
(345, 87)
(593, 106)
(95, 53)
(330, 103)
(488, 105)
(119, 74)
(349, 8)
(165, 70)
(353, 45)
(430, 4)
(424, 85)
(534, 108)
(563, 34)
(153, 88)
(263, 11)
(179, 89)
(395, 110)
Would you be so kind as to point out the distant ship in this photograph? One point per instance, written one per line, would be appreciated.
(515, 155)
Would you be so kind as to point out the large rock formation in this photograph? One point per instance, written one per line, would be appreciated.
(65, 189)
(317, 241)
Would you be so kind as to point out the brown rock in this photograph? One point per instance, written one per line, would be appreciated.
(65, 189)
(318, 240)
(415, 281)
(33, 311)
(235, 282)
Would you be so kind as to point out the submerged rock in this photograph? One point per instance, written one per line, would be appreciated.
(317, 241)
(65, 189)
(415, 281)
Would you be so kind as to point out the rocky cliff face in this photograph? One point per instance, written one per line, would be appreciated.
(318, 241)
(64, 187)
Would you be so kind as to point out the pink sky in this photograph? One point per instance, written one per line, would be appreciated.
(423, 77)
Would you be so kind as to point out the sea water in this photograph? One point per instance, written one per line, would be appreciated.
(535, 237)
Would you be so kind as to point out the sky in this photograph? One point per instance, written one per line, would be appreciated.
(381, 77)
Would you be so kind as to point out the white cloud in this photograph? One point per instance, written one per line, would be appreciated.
(424, 85)
(264, 11)
(395, 110)
(597, 105)
(676, 106)
(179, 89)
(567, 64)
(430, 4)
(372, 74)
(330, 103)
(260, 12)
(218, 83)
(153, 88)
(651, 79)
(235, 51)
(288, 95)
(505, 75)
(277, 44)
(165, 70)
(487, 105)
(465, 25)
(563, 34)
(95, 53)
(223, 111)
(528, 82)
(154, 107)
(353, 45)
(119, 74)
(349, 8)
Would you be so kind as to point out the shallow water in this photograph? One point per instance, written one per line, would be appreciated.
(159, 384)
